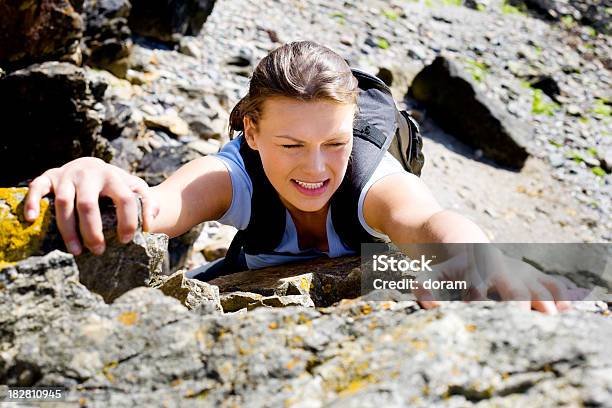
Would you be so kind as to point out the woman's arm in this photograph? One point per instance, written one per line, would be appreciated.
(401, 206)
(199, 191)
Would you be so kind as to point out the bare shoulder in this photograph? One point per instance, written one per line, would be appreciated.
(399, 199)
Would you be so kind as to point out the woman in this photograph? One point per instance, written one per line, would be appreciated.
(298, 118)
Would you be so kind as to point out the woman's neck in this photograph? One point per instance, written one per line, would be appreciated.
(312, 221)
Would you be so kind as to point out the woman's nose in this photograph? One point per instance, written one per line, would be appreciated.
(314, 163)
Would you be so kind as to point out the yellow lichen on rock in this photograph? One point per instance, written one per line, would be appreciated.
(19, 238)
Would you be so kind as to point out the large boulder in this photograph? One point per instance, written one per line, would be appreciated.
(106, 39)
(595, 13)
(457, 105)
(37, 31)
(167, 20)
(50, 116)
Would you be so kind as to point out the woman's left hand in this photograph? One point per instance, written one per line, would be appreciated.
(487, 270)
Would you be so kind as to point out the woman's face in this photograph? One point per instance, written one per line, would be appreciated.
(304, 148)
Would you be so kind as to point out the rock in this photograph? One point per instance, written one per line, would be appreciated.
(556, 159)
(20, 239)
(106, 40)
(169, 123)
(325, 281)
(147, 349)
(606, 160)
(121, 267)
(180, 247)
(167, 20)
(158, 165)
(37, 31)
(190, 47)
(547, 84)
(127, 154)
(49, 113)
(192, 293)
(460, 108)
(588, 12)
(235, 301)
(33, 293)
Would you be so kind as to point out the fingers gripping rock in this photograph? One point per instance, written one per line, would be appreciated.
(121, 267)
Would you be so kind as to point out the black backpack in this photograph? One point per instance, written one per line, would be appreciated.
(379, 126)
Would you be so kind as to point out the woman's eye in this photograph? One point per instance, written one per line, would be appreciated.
(290, 146)
(337, 144)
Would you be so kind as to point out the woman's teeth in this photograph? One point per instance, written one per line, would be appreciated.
(311, 186)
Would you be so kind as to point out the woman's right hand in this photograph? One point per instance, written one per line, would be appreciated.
(86, 179)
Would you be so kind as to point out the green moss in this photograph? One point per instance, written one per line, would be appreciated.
(452, 2)
(540, 106)
(507, 8)
(602, 107)
(590, 31)
(598, 171)
(577, 157)
(568, 21)
(555, 143)
(481, 7)
(478, 70)
(20, 239)
(390, 14)
(593, 151)
(383, 43)
(338, 16)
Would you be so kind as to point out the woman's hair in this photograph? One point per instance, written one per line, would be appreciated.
(302, 70)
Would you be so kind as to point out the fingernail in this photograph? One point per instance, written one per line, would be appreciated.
(98, 250)
(74, 248)
(126, 238)
(31, 215)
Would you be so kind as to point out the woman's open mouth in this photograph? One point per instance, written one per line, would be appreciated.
(311, 188)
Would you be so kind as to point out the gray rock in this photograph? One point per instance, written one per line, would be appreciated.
(122, 267)
(325, 281)
(35, 292)
(236, 301)
(106, 39)
(460, 108)
(588, 12)
(158, 165)
(51, 112)
(146, 348)
(192, 293)
(167, 20)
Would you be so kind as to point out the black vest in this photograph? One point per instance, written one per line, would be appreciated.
(374, 129)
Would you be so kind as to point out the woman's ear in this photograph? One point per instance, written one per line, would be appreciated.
(250, 131)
